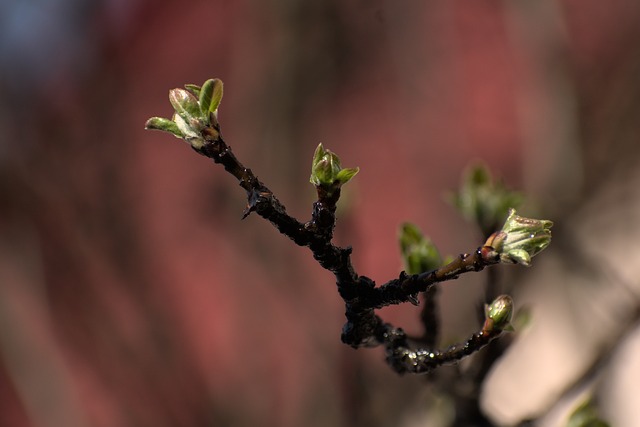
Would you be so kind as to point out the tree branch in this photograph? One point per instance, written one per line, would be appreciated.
(360, 294)
(195, 120)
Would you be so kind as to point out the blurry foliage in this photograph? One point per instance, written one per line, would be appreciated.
(484, 200)
(586, 415)
(419, 254)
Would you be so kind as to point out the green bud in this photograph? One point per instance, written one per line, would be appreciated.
(419, 254)
(521, 239)
(327, 172)
(196, 109)
(483, 200)
(498, 314)
(325, 167)
(346, 174)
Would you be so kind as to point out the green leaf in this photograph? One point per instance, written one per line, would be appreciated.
(185, 104)
(346, 174)
(205, 97)
(518, 256)
(216, 97)
(194, 89)
(318, 155)
(210, 96)
(165, 125)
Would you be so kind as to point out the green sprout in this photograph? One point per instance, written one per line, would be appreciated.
(326, 171)
(484, 200)
(520, 239)
(419, 254)
(196, 109)
(498, 314)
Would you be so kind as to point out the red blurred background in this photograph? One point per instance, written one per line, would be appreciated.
(131, 293)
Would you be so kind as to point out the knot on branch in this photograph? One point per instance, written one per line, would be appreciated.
(361, 328)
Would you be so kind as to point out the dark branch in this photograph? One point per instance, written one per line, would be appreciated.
(360, 294)
(403, 359)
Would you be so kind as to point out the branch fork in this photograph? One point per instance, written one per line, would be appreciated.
(195, 121)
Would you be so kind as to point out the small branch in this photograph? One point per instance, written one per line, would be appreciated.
(404, 360)
(196, 121)
(363, 328)
(401, 290)
(429, 316)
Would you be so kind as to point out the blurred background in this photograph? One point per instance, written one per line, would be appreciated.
(131, 293)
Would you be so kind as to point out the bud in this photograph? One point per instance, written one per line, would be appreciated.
(483, 199)
(196, 109)
(327, 172)
(498, 314)
(418, 252)
(520, 239)
(325, 167)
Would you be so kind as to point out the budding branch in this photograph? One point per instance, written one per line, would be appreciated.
(361, 296)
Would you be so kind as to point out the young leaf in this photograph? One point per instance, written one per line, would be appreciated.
(185, 104)
(216, 96)
(346, 174)
(206, 93)
(194, 89)
(520, 239)
(318, 154)
(484, 200)
(418, 252)
(165, 125)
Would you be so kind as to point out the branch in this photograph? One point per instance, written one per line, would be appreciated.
(196, 122)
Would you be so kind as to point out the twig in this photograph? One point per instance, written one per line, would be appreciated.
(196, 121)
(360, 294)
